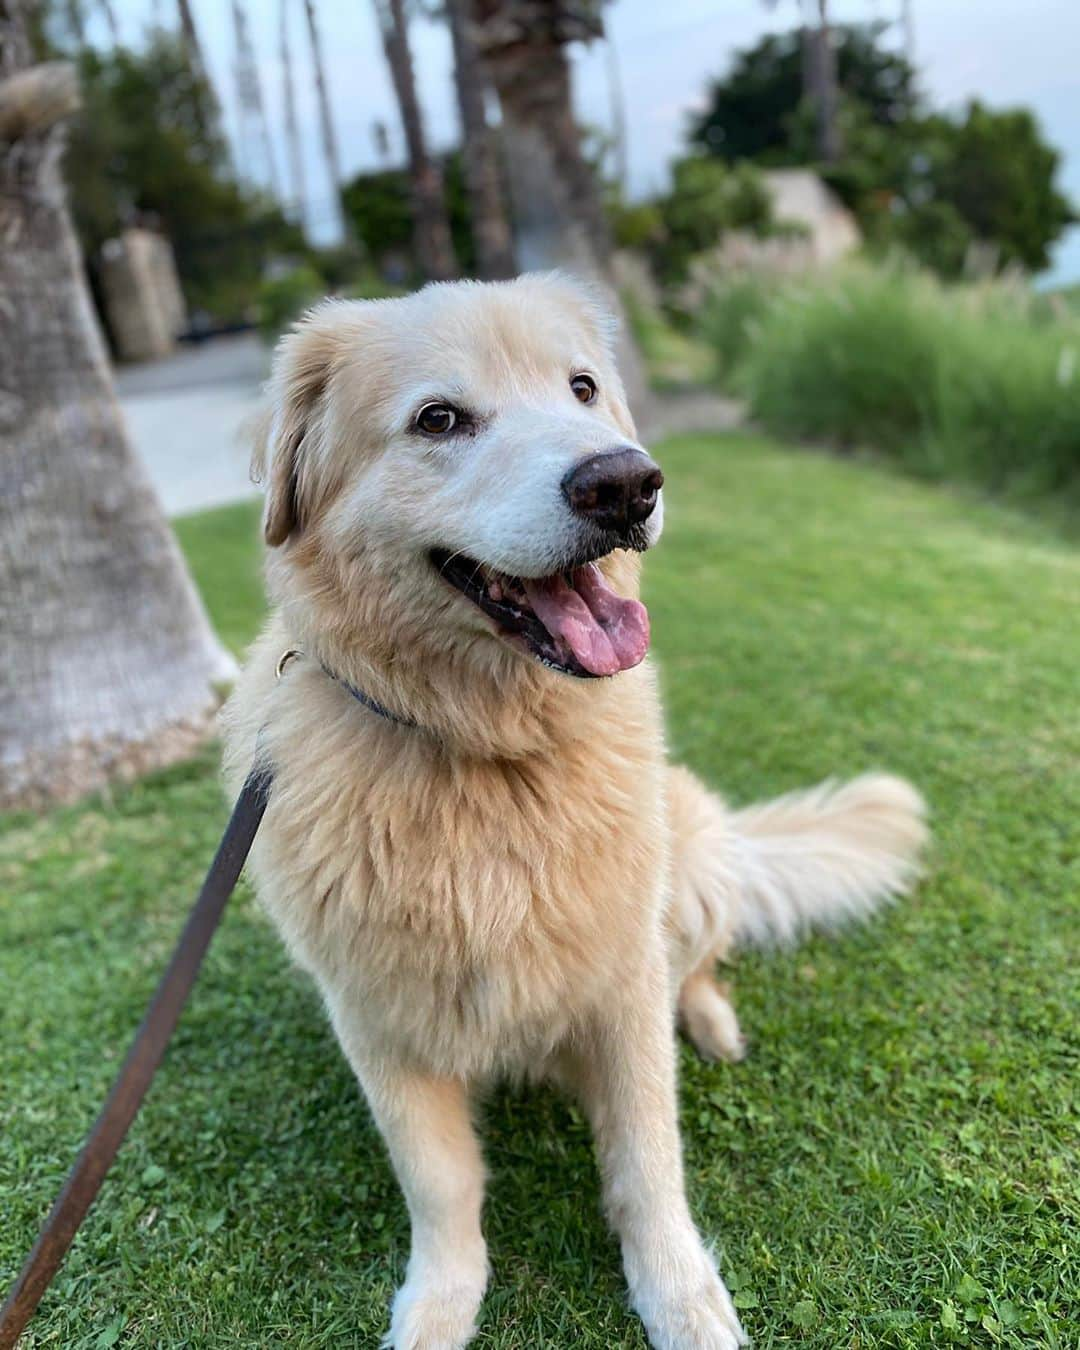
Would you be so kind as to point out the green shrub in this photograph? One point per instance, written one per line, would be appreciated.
(967, 382)
(282, 299)
(1009, 404)
(636, 225)
(707, 198)
(732, 309)
(368, 286)
(340, 265)
(144, 146)
(379, 206)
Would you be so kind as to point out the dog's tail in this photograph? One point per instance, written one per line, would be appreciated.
(817, 858)
(773, 871)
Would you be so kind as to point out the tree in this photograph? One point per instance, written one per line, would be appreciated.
(190, 34)
(110, 664)
(326, 120)
(292, 129)
(208, 112)
(996, 171)
(558, 205)
(433, 245)
(558, 208)
(110, 19)
(617, 103)
(707, 197)
(76, 20)
(952, 190)
(753, 112)
(935, 184)
(141, 151)
(379, 205)
(819, 75)
(490, 228)
(252, 122)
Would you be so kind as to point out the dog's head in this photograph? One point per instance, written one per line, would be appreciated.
(457, 471)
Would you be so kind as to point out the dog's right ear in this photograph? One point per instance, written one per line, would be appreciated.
(303, 363)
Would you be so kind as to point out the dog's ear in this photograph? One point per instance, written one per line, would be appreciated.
(304, 361)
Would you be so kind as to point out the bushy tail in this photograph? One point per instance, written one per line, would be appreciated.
(814, 859)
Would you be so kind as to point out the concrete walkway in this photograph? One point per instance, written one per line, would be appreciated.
(189, 417)
(690, 412)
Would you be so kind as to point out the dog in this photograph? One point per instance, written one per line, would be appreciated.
(475, 842)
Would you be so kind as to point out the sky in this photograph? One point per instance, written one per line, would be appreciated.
(1002, 51)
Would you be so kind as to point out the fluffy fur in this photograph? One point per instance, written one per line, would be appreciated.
(519, 883)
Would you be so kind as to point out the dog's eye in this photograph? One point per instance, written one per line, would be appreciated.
(584, 387)
(436, 419)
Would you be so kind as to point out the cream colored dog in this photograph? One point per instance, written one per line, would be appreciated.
(475, 842)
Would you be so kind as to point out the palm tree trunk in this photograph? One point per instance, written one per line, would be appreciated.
(819, 67)
(208, 109)
(326, 122)
(190, 34)
(617, 99)
(490, 227)
(109, 663)
(559, 218)
(250, 99)
(76, 22)
(907, 19)
(558, 213)
(292, 130)
(431, 228)
(110, 19)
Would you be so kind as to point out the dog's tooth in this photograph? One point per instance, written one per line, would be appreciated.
(495, 591)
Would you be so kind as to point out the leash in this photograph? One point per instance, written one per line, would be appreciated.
(86, 1176)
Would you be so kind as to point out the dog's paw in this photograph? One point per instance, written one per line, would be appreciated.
(435, 1314)
(690, 1310)
(697, 1319)
(709, 1020)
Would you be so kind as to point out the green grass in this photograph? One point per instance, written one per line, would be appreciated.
(223, 552)
(895, 1165)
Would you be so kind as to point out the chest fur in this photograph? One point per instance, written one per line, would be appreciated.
(467, 901)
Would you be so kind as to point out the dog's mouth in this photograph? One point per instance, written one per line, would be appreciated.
(571, 621)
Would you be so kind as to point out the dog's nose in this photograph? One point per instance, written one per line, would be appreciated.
(615, 490)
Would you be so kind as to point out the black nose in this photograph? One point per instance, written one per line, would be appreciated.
(615, 490)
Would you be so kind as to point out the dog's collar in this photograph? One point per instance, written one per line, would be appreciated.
(371, 704)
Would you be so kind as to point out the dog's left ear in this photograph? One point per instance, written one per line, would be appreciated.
(304, 361)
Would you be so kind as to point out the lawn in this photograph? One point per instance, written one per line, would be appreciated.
(895, 1165)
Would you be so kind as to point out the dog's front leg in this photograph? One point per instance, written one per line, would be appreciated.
(425, 1122)
(627, 1073)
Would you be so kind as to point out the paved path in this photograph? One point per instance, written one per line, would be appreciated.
(190, 416)
(689, 412)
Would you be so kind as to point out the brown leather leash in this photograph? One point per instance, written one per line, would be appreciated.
(85, 1178)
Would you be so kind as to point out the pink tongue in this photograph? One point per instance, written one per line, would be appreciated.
(605, 632)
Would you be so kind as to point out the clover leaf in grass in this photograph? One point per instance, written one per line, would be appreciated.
(153, 1175)
(969, 1289)
(805, 1314)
